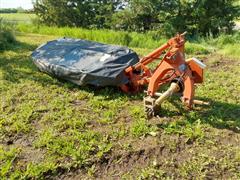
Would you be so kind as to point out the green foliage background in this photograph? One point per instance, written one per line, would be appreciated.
(78, 13)
(199, 17)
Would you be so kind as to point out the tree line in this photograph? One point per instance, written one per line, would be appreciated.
(198, 17)
(13, 10)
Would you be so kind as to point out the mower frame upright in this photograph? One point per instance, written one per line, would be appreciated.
(173, 68)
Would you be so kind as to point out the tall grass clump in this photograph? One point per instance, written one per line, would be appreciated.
(148, 40)
(131, 39)
(227, 44)
(6, 35)
(225, 39)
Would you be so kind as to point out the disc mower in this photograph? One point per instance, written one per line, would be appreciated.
(173, 69)
(85, 62)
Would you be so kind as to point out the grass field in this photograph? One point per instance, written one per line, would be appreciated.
(18, 17)
(54, 129)
(131, 39)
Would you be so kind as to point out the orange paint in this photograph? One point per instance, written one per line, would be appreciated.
(171, 68)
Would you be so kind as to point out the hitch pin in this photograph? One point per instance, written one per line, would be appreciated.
(199, 102)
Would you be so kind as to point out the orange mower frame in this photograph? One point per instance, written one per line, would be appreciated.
(173, 68)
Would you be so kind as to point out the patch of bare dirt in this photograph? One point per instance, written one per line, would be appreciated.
(27, 153)
(170, 152)
(221, 62)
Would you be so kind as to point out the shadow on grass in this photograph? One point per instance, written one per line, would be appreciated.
(221, 115)
(218, 114)
(18, 67)
(19, 46)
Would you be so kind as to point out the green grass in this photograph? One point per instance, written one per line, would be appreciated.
(54, 129)
(148, 40)
(227, 44)
(6, 35)
(18, 17)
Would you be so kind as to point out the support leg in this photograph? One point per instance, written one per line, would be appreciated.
(188, 92)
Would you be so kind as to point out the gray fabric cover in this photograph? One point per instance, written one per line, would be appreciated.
(85, 62)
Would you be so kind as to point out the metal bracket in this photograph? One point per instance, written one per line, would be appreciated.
(149, 104)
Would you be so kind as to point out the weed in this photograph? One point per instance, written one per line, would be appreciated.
(151, 172)
(7, 158)
(37, 170)
(195, 166)
(140, 126)
(192, 131)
